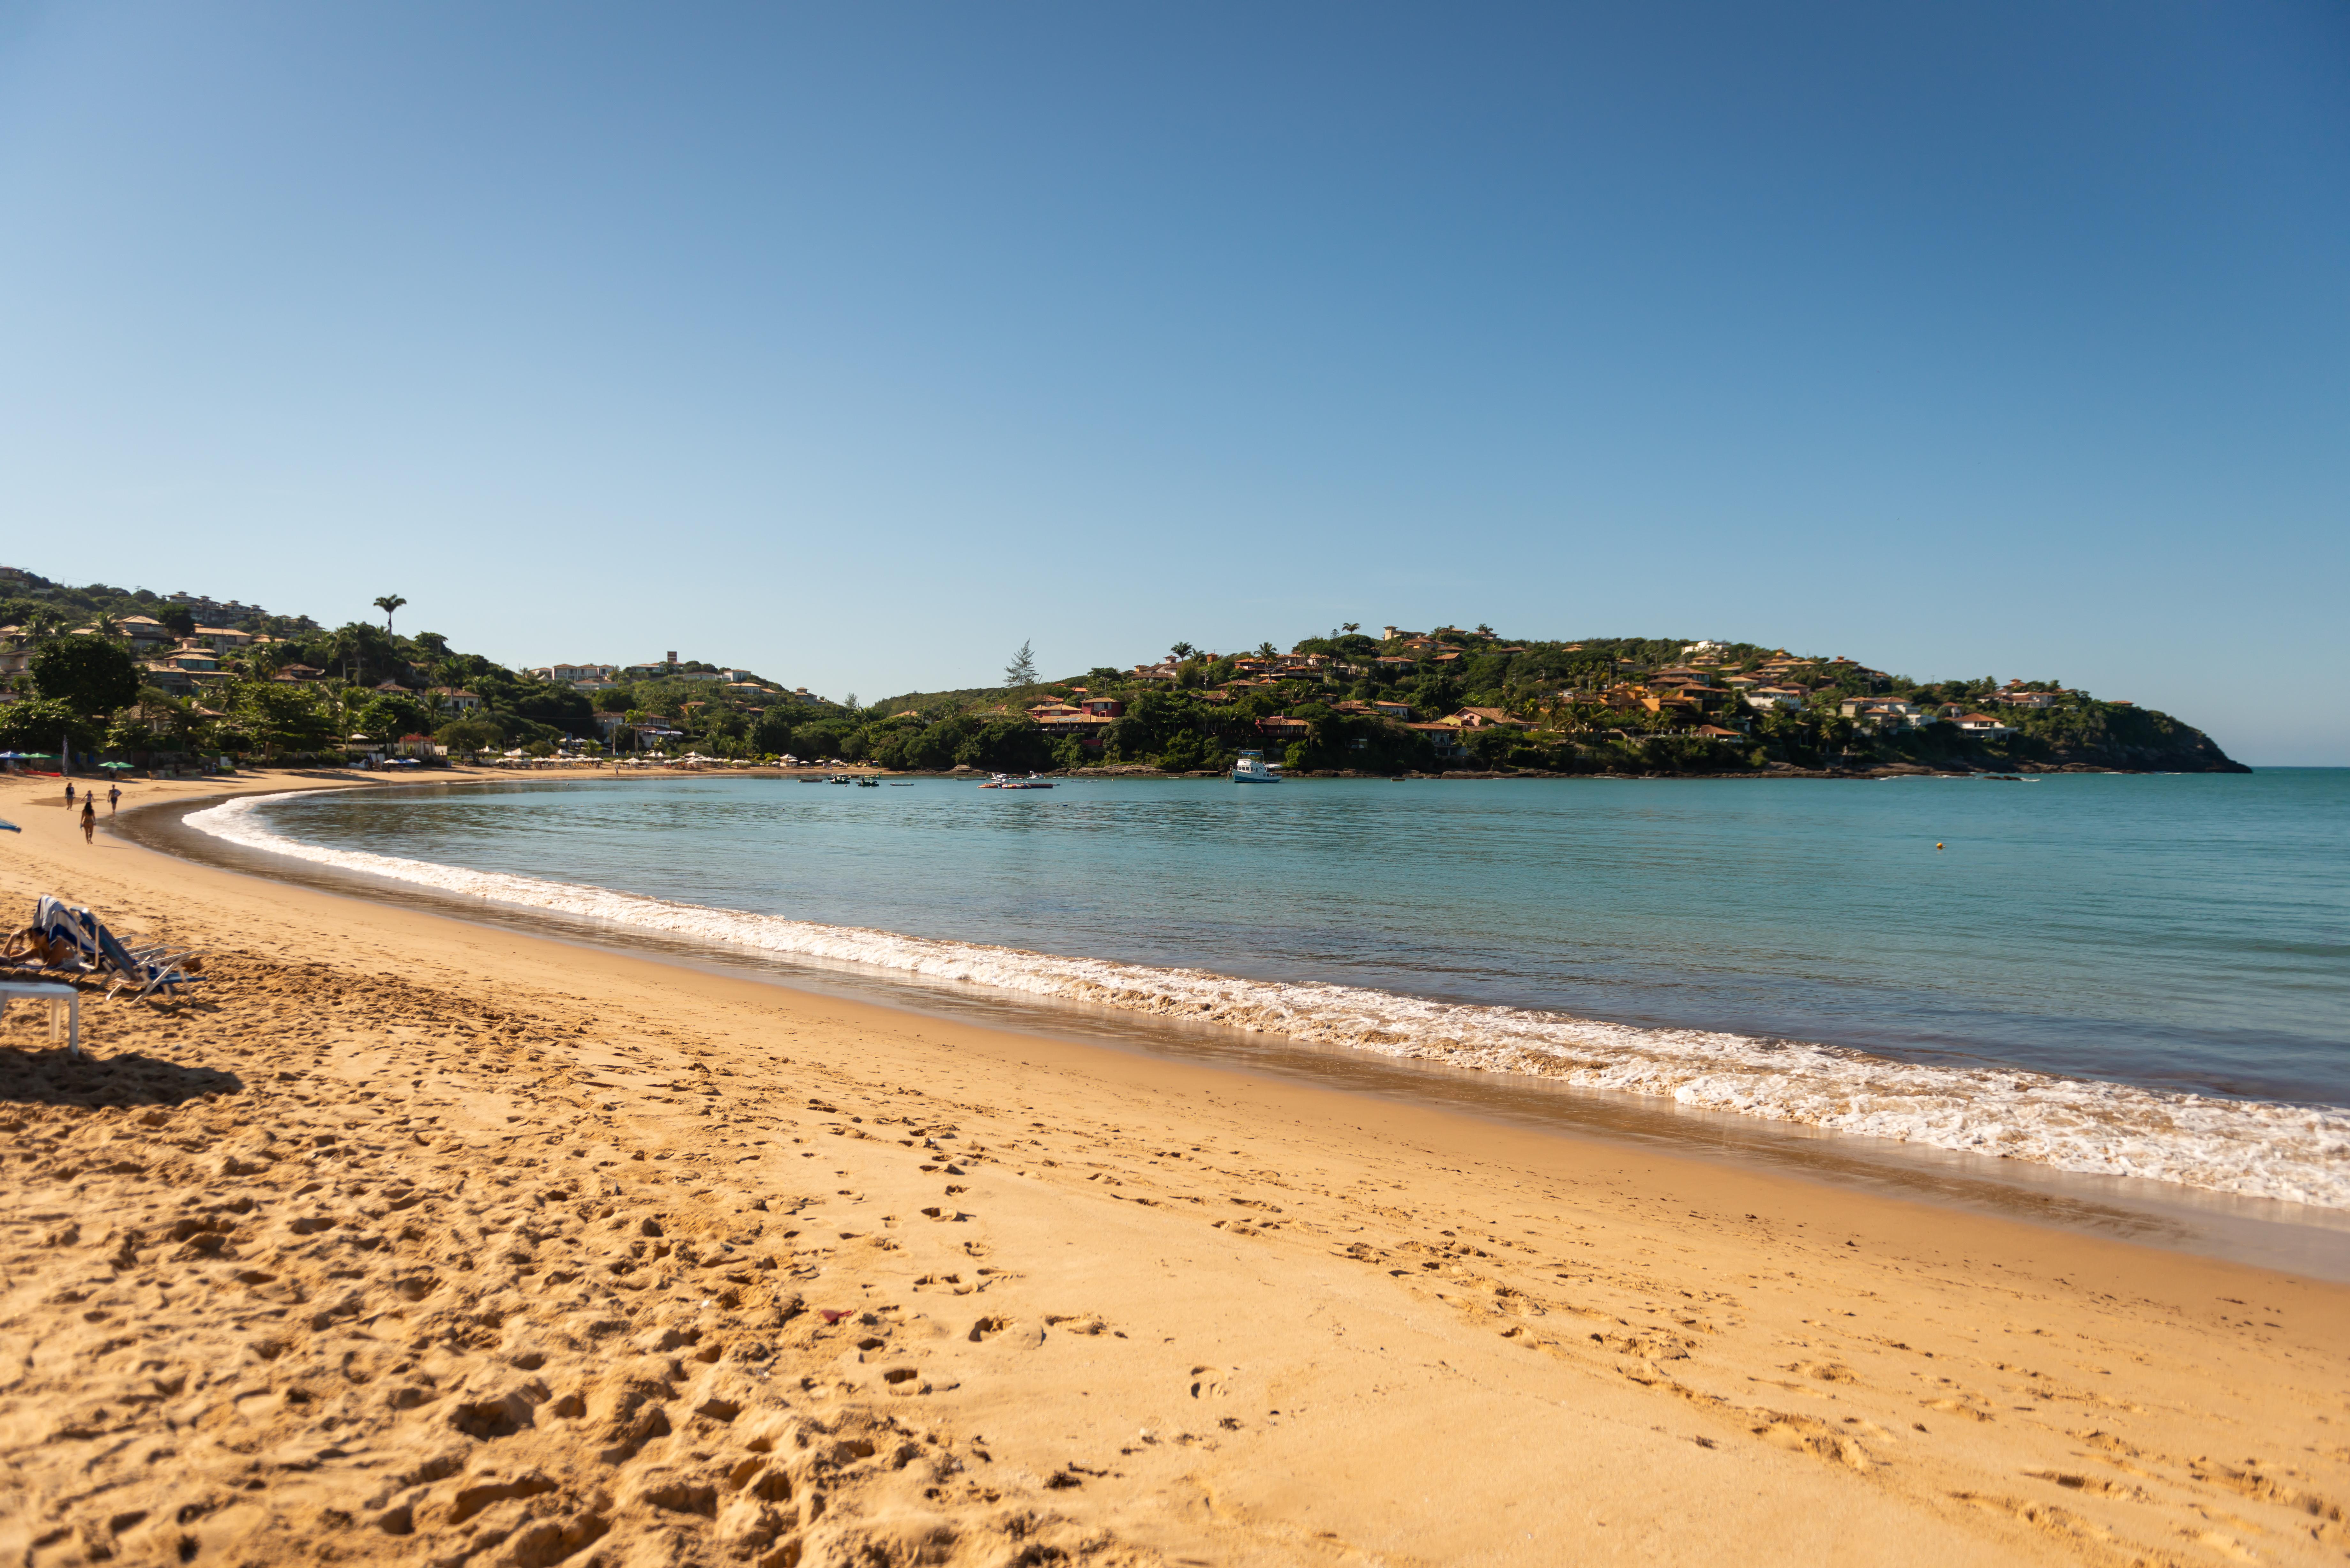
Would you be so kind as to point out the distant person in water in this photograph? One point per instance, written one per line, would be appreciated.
(89, 819)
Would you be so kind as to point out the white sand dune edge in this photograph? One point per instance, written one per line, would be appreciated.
(2249, 1148)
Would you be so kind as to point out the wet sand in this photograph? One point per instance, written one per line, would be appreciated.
(414, 1238)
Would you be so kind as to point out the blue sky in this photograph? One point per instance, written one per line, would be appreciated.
(855, 344)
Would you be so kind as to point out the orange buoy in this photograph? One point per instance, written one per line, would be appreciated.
(1938, 846)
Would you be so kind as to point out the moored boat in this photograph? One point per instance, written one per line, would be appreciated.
(1251, 768)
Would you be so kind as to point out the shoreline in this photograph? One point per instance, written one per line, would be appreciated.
(1226, 1311)
(2262, 1233)
(1518, 1050)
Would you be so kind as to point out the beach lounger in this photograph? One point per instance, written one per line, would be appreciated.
(72, 941)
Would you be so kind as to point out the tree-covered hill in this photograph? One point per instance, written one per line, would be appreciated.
(1451, 698)
(138, 674)
(1455, 699)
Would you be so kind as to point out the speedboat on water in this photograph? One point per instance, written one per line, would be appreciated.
(1006, 781)
(1252, 768)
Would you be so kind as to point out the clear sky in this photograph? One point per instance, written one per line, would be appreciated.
(855, 344)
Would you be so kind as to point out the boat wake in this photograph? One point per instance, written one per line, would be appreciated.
(2252, 1148)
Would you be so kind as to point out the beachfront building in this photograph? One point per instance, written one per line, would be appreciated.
(219, 639)
(1483, 719)
(1882, 710)
(1076, 721)
(1982, 725)
(144, 633)
(214, 612)
(572, 674)
(1443, 739)
(1281, 727)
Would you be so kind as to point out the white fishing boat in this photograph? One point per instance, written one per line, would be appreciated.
(1006, 781)
(1252, 768)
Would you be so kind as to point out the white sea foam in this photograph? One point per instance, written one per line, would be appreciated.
(2296, 1153)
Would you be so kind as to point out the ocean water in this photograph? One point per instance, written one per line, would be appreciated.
(2135, 976)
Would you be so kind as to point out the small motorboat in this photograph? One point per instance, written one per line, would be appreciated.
(1006, 781)
(1251, 768)
(868, 784)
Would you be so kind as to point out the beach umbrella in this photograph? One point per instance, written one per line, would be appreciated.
(118, 766)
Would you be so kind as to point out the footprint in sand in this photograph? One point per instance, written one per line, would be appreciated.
(1207, 1383)
(1007, 1331)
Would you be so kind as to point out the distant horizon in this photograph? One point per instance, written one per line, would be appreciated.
(860, 343)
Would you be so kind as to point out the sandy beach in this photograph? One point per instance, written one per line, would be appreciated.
(407, 1239)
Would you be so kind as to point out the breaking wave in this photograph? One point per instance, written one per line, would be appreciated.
(2252, 1148)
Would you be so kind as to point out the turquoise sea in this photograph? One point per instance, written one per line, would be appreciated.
(2135, 975)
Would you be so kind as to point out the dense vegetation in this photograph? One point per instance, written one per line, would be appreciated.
(1554, 707)
(1599, 705)
(86, 687)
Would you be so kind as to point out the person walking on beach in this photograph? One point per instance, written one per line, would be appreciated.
(113, 799)
(68, 792)
(89, 818)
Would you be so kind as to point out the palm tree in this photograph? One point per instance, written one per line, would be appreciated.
(1182, 650)
(389, 603)
(1352, 627)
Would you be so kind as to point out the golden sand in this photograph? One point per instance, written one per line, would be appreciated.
(407, 1240)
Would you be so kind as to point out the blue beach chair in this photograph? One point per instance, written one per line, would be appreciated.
(77, 943)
